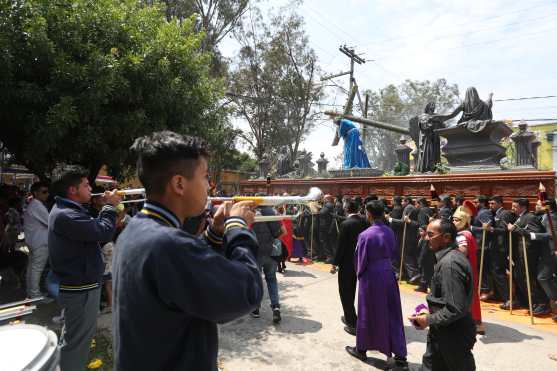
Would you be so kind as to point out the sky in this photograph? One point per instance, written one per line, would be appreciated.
(505, 47)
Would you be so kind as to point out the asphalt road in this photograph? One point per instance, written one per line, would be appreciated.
(311, 335)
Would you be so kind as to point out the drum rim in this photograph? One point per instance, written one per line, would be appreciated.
(50, 350)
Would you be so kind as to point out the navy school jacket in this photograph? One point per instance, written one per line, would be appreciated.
(171, 289)
(74, 244)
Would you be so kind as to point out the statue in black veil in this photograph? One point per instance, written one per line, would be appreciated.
(473, 108)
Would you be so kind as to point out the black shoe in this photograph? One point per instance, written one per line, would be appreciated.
(351, 330)
(276, 315)
(400, 364)
(421, 289)
(356, 353)
(507, 305)
(542, 310)
(255, 313)
(414, 280)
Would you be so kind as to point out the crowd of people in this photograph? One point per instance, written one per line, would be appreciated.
(191, 265)
(483, 223)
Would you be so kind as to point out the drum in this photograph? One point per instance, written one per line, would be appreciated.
(29, 348)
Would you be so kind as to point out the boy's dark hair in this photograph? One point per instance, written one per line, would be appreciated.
(69, 179)
(497, 199)
(352, 207)
(459, 199)
(38, 185)
(522, 202)
(164, 154)
(423, 202)
(483, 200)
(447, 227)
(397, 200)
(376, 209)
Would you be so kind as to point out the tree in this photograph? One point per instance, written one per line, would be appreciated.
(397, 105)
(273, 84)
(82, 78)
(217, 19)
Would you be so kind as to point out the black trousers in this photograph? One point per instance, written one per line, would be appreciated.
(347, 290)
(325, 245)
(411, 253)
(426, 262)
(519, 272)
(547, 269)
(498, 265)
(450, 348)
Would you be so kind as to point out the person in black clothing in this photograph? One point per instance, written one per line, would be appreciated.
(452, 331)
(170, 287)
(547, 265)
(349, 231)
(498, 249)
(459, 200)
(523, 230)
(410, 218)
(426, 261)
(445, 210)
(484, 216)
(425, 257)
(325, 250)
(396, 213)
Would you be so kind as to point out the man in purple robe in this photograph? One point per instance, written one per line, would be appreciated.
(379, 326)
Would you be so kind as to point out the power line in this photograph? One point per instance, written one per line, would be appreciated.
(525, 98)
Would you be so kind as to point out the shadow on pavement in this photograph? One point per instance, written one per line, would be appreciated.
(383, 364)
(496, 333)
(291, 273)
(415, 336)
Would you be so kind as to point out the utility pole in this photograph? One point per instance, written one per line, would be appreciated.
(353, 88)
(351, 53)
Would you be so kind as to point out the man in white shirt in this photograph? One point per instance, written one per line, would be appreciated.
(35, 226)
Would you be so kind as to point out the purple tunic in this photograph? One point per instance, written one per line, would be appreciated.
(379, 325)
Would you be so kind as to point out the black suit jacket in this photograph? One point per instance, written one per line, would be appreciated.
(411, 229)
(526, 224)
(349, 230)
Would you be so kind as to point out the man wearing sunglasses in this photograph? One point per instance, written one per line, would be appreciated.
(452, 331)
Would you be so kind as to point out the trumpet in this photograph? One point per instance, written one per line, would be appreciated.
(314, 194)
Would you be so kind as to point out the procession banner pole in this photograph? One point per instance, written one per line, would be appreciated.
(482, 261)
(528, 279)
(402, 253)
(511, 271)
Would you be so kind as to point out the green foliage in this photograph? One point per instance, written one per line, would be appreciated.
(397, 105)
(273, 83)
(82, 78)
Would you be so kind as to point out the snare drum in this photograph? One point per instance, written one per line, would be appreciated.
(29, 348)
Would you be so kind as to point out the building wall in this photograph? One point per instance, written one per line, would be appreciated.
(545, 151)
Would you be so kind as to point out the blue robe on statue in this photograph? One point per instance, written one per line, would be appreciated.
(379, 325)
(354, 154)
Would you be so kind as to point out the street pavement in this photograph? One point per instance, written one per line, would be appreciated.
(311, 335)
